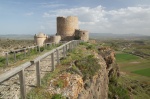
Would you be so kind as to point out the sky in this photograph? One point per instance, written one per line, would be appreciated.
(96, 16)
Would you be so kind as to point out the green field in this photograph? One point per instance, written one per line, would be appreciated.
(144, 72)
(124, 57)
(133, 64)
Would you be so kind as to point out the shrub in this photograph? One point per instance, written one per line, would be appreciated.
(88, 66)
(57, 96)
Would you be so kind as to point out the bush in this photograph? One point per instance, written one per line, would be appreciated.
(88, 66)
(57, 96)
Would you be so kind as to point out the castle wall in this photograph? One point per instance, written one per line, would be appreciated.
(40, 39)
(66, 26)
(55, 38)
(82, 35)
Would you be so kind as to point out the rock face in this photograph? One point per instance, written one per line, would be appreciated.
(97, 87)
(69, 85)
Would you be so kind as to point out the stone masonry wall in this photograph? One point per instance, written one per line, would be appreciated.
(66, 26)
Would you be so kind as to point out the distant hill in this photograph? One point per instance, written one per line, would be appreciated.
(101, 36)
(17, 36)
(117, 36)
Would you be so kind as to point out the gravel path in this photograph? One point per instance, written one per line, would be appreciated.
(10, 89)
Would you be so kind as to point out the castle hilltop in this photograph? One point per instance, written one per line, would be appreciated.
(67, 29)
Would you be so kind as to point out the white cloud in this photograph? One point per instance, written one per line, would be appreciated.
(29, 13)
(125, 20)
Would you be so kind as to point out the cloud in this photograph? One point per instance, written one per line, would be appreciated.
(98, 19)
(29, 14)
(51, 5)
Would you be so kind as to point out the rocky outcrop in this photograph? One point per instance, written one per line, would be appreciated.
(96, 87)
(69, 85)
(74, 86)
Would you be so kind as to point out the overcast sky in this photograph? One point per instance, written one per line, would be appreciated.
(96, 16)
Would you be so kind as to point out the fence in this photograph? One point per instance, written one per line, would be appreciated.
(20, 69)
(26, 51)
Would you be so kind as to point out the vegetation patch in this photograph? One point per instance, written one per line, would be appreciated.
(122, 57)
(42, 92)
(116, 90)
(144, 72)
(88, 66)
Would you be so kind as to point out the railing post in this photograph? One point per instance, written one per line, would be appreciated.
(39, 48)
(38, 75)
(28, 51)
(52, 61)
(46, 45)
(36, 48)
(24, 52)
(66, 48)
(57, 52)
(6, 54)
(14, 56)
(22, 84)
(64, 53)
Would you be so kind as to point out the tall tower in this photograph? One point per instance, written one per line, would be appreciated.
(66, 26)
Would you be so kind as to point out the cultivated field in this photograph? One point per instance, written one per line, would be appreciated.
(133, 58)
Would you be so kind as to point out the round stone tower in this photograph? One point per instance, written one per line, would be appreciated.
(66, 26)
(40, 39)
(82, 35)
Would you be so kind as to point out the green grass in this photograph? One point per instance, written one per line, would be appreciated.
(133, 65)
(42, 92)
(144, 72)
(124, 57)
(117, 89)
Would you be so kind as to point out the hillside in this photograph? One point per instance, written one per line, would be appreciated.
(83, 74)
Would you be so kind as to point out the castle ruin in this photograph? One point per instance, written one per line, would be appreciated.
(67, 29)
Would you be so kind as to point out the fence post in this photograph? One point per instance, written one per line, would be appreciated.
(28, 51)
(6, 54)
(52, 61)
(24, 52)
(46, 45)
(38, 75)
(57, 52)
(64, 53)
(22, 84)
(66, 48)
(39, 48)
(14, 56)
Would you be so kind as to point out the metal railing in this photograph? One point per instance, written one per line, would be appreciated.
(20, 69)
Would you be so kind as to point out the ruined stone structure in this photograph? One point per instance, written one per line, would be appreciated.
(66, 26)
(40, 38)
(55, 38)
(82, 35)
(67, 29)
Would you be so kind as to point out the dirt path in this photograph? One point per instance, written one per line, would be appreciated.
(10, 89)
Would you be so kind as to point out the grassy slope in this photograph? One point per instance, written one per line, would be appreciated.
(130, 64)
(144, 72)
(137, 81)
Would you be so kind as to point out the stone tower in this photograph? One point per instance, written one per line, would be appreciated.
(40, 39)
(66, 26)
(81, 35)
